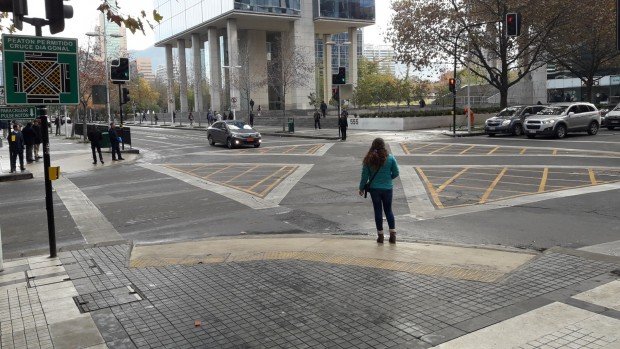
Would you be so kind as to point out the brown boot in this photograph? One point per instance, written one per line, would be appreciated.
(380, 237)
(392, 237)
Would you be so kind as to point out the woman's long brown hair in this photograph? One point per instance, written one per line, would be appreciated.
(376, 155)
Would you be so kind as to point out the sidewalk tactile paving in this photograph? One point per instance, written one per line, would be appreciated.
(570, 337)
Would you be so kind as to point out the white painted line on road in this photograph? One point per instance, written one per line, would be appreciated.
(271, 201)
(522, 166)
(281, 191)
(396, 149)
(326, 147)
(552, 326)
(93, 225)
(520, 147)
(415, 192)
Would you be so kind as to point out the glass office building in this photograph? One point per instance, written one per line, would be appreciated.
(225, 29)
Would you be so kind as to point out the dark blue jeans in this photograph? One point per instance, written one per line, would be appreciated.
(382, 201)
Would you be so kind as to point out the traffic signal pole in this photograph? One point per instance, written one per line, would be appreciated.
(38, 23)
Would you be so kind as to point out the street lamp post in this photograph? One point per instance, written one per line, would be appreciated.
(105, 58)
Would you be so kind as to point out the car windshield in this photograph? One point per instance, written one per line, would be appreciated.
(238, 125)
(552, 111)
(508, 112)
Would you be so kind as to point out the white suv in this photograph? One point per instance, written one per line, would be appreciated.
(559, 119)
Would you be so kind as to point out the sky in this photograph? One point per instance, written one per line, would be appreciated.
(86, 17)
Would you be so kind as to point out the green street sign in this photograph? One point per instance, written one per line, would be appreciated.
(40, 70)
(11, 113)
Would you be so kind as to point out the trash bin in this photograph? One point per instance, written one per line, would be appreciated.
(105, 142)
(291, 125)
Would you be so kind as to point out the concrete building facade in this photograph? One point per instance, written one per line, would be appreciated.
(248, 36)
(144, 68)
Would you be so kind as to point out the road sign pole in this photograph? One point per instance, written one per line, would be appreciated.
(49, 200)
(120, 106)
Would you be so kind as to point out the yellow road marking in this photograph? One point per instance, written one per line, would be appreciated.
(522, 151)
(405, 148)
(315, 149)
(440, 149)
(555, 152)
(493, 151)
(430, 187)
(484, 188)
(266, 178)
(466, 150)
(277, 181)
(592, 176)
(218, 171)
(290, 150)
(486, 195)
(543, 180)
(243, 173)
(452, 179)
(424, 146)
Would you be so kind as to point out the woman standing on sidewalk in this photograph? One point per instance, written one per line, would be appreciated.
(378, 170)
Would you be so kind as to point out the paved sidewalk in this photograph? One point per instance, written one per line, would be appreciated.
(311, 291)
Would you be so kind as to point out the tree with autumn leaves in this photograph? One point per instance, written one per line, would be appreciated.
(569, 33)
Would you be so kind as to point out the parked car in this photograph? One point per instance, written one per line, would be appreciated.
(510, 120)
(611, 120)
(559, 119)
(233, 133)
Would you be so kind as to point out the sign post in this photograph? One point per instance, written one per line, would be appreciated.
(42, 71)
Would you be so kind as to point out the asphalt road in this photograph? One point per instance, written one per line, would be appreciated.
(182, 189)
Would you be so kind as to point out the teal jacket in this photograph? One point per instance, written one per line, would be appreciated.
(383, 180)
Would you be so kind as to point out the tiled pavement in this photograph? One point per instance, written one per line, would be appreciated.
(91, 299)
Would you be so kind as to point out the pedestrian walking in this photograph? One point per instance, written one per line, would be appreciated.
(38, 138)
(258, 110)
(251, 119)
(190, 117)
(218, 116)
(323, 108)
(343, 123)
(174, 116)
(379, 169)
(317, 119)
(57, 123)
(95, 138)
(156, 118)
(29, 138)
(251, 104)
(115, 143)
(210, 117)
(16, 148)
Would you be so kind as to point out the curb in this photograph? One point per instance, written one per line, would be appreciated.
(458, 135)
(17, 176)
(277, 134)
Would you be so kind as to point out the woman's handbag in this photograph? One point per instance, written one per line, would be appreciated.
(367, 185)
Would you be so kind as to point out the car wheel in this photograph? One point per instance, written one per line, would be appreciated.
(229, 143)
(560, 131)
(211, 140)
(531, 136)
(517, 130)
(593, 128)
(610, 128)
(256, 145)
(491, 134)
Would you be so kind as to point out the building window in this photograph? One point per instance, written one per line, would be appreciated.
(286, 7)
(347, 9)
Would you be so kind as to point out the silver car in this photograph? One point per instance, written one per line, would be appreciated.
(559, 119)
(612, 118)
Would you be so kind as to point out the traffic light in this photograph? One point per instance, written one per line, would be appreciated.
(452, 85)
(513, 24)
(126, 98)
(56, 12)
(341, 77)
(19, 9)
(336, 94)
(119, 69)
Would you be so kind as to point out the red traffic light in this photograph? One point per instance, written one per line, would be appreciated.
(452, 84)
(513, 24)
